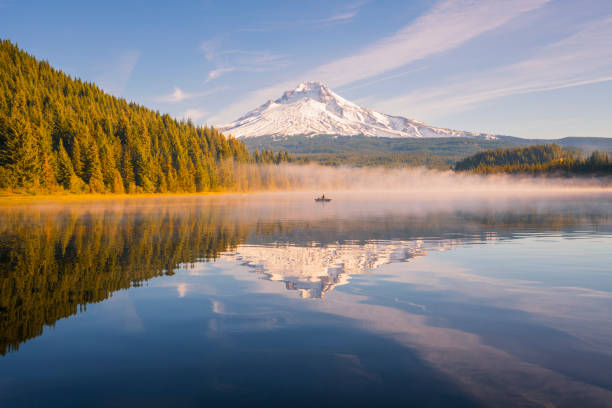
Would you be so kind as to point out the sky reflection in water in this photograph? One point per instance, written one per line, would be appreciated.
(272, 299)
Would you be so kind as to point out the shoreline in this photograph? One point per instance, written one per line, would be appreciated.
(474, 192)
(16, 198)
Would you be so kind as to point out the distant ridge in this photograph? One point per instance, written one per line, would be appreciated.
(314, 109)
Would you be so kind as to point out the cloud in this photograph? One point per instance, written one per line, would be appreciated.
(210, 47)
(178, 95)
(345, 15)
(115, 77)
(215, 73)
(340, 17)
(582, 58)
(447, 26)
(232, 60)
(194, 114)
(385, 78)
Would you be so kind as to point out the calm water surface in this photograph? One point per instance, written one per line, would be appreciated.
(275, 300)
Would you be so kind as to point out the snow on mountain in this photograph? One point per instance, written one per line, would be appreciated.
(313, 109)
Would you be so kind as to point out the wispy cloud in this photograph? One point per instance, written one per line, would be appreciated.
(339, 17)
(447, 26)
(231, 60)
(210, 48)
(193, 114)
(178, 95)
(582, 58)
(116, 75)
(216, 73)
(343, 15)
(385, 78)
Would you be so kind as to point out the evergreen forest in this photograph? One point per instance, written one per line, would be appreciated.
(61, 134)
(538, 159)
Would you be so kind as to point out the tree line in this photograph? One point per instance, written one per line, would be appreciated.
(269, 157)
(538, 159)
(59, 133)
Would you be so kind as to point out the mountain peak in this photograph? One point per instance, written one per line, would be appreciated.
(314, 90)
(311, 108)
(310, 85)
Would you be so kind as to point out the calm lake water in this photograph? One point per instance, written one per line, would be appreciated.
(274, 300)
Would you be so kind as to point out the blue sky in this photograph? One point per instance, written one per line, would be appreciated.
(528, 68)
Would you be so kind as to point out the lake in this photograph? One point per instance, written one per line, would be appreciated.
(275, 300)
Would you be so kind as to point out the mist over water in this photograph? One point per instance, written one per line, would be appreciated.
(421, 181)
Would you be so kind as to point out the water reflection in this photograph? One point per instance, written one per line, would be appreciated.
(56, 260)
(524, 321)
(316, 269)
(54, 263)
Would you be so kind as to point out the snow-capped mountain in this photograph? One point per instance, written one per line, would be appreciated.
(313, 109)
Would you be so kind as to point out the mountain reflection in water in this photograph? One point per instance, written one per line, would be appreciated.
(57, 260)
(316, 269)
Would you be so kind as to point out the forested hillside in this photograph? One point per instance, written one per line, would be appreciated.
(442, 152)
(62, 134)
(364, 151)
(537, 159)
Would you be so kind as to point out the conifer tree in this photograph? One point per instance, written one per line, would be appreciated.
(65, 171)
(92, 172)
(19, 151)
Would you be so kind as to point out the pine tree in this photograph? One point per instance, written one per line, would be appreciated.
(19, 151)
(65, 171)
(92, 172)
(117, 183)
(109, 166)
(76, 156)
(127, 169)
(48, 174)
